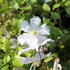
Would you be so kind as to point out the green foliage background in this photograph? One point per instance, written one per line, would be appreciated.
(56, 14)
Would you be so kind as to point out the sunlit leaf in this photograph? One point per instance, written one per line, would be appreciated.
(48, 59)
(46, 7)
(57, 5)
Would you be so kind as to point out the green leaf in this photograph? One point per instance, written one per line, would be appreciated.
(63, 1)
(6, 59)
(1, 62)
(55, 15)
(46, 7)
(1, 33)
(16, 61)
(14, 5)
(56, 6)
(54, 55)
(5, 68)
(48, 59)
(27, 8)
(67, 9)
(67, 3)
(1, 1)
(48, 22)
(55, 32)
(33, 1)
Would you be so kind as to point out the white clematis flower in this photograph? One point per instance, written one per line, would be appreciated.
(39, 56)
(35, 60)
(35, 34)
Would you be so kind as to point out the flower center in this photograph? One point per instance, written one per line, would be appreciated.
(34, 32)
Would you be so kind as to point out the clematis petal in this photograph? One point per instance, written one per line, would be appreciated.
(25, 27)
(41, 40)
(44, 30)
(24, 50)
(22, 38)
(33, 42)
(35, 22)
(26, 60)
(48, 40)
(39, 55)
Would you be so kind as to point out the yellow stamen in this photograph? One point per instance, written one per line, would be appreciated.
(34, 32)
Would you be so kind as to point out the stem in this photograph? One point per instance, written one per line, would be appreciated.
(47, 67)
